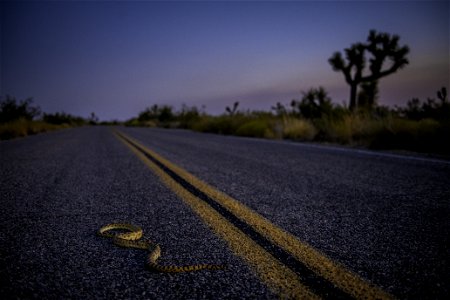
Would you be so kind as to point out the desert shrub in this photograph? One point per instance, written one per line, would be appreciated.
(398, 133)
(161, 115)
(390, 132)
(261, 128)
(314, 104)
(61, 118)
(337, 130)
(298, 129)
(224, 124)
(430, 109)
(11, 109)
(134, 122)
(23, 127)
(188, 116)
(356, 128)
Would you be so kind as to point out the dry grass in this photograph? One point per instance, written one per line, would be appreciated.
(390, 132)
(298, 129)
(256, 128)
(23, 127)
(352, 128)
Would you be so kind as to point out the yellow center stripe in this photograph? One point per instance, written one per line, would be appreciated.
(281, 279)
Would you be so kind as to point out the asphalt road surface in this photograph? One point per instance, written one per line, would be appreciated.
(383, 217)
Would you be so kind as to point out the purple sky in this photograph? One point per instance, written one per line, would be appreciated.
(117, 58)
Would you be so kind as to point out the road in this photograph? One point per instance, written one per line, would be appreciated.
(382, 218)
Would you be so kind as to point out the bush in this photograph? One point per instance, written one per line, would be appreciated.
(162, 115)
(23, 127)
(338, 130)
(63, 119)
(224, 124)
(188, 116)
(430, 109)
(10, 110)
(314, 104)
(424, 135)
(298, 129)
(256, 128)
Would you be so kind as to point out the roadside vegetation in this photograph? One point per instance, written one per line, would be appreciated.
(22, 118)
(419, 126)
(422, 126)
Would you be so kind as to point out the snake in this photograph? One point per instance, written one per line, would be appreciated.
(131, 236)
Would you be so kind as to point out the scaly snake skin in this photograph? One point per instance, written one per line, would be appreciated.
(131, 238)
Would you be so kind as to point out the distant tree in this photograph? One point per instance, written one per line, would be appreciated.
(384, 51)
(11, 109)
(314, 104)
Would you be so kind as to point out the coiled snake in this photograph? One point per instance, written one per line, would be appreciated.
(131, 238)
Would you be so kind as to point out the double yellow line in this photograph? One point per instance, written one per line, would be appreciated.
(291, 268)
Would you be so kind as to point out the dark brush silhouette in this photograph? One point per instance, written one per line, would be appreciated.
(232, 111)
(314, 104)
(93, 119)
(61, 118)
(279, 109)
(162, 114)
(429, 109)
(11, 109)
(384, 50)
(442, 94)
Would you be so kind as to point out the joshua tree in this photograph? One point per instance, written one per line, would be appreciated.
(384, 51)
(442, 94)
(368, 94)
(232, 111)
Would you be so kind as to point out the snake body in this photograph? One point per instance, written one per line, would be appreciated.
(130, 236)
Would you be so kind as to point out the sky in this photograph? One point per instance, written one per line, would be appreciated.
(117, 58)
